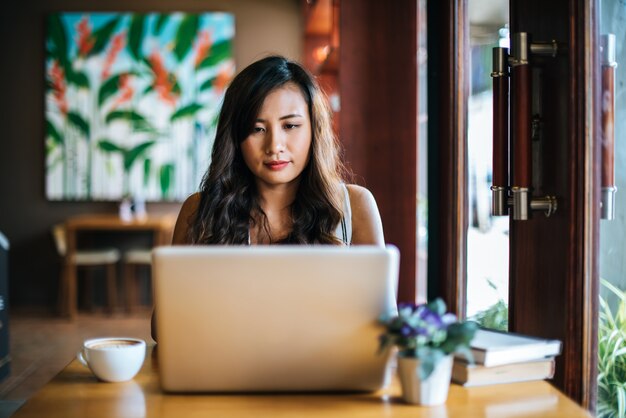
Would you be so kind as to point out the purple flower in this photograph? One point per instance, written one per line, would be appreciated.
(431, 318)
(449, 318)
(411, 307)
(406, 331)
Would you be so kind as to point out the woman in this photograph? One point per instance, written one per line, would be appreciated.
(275, 174)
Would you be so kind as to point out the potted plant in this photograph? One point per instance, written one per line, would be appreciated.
(427, 337)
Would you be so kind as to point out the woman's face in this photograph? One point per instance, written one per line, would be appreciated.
(277, 149)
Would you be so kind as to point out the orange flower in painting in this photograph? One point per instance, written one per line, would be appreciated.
(117, 44)
(203, 47)
(59, 86)
(222, 79)
(163, 81)
(126, 91)
(85, 40)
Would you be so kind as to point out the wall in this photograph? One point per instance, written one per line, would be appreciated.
(379, 117)
(262, 27)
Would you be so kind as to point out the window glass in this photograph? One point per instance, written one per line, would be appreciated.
(487, 236)
(422, 155)
(612, 328)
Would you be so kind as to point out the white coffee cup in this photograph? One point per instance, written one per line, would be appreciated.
(113, 359)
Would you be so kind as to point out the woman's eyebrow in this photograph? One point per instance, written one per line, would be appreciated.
(289, 116)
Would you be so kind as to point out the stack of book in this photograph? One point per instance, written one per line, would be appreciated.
(501, 357)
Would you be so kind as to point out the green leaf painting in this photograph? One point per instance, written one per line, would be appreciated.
(110, 88)
(135, 36)
(219, 52)
(102, 36)
(78, 78)
(161, 21)
(107, 145)
(79, 123)
(136, 152)
(187, 31)
(57, 39)
(52, 132)
(186, 111)
(165, 175)
(132, 101)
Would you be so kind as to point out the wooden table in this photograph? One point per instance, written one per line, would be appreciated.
(76, 393)
(160, 225)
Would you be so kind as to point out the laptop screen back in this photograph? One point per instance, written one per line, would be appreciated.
(272, 318)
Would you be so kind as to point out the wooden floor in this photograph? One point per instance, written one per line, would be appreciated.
(41, 346)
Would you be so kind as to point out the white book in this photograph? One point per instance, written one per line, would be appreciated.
(494, 348)
(470, 375)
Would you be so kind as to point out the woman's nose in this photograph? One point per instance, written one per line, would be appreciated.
(275, 143)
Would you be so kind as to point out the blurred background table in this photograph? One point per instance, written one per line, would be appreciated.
(160, 225)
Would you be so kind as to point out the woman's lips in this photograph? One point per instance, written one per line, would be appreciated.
(276, 165)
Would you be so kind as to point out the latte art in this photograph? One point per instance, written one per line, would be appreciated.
(113, 344)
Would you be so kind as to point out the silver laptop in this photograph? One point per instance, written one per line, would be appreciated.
(272, 318)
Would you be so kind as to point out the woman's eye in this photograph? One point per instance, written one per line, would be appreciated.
(258, 129)
(291, 125)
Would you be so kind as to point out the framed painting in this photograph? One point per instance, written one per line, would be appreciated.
(132, 102)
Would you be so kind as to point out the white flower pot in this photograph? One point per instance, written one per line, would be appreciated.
(430, 391)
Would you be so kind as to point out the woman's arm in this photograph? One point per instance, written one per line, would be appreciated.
(367, 227)
(185, 218)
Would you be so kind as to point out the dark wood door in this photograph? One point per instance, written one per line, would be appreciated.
(553, 261)
(553, 269)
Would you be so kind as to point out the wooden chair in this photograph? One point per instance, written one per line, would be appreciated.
(133, 260)
(88, 260)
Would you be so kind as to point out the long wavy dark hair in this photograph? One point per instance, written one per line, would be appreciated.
(228, 191)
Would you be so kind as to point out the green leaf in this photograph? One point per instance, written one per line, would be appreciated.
(495, 317)
(109, 88)
(611, 356)
(185, 35)
(110, 147)
(438, 306)
(135, 35)
(79, 122)
(53, 133)
(58, 37)
(78, 78)
(137, 120)
(460, 335)
(102, 36)
(128, 115)
(166, 173)
(160, 23)
(176, 85)
(207, 84)
(136, 152)
(147, 90)
(616, 291)
(219, 52)
(621, 401)
(186, 111)
(146, 66)
(147, 163)
(429, 358)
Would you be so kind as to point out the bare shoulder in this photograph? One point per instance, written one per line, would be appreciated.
(367, 227)
(185, 217)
